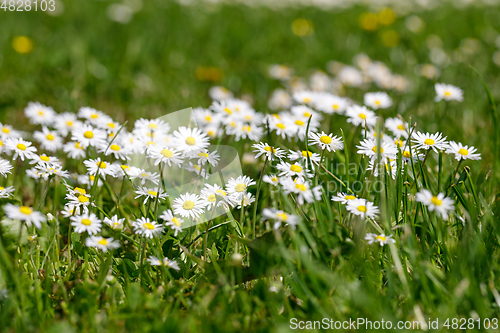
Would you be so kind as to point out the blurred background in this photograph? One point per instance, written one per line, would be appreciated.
(134, 58)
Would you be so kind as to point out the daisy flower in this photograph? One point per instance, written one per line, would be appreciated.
(173, 222)
(147, 228)
(39, 114)
(377, 100)
(48, 139)
(104, 168)
(462, 152)
(303, 158)
(188, 139)
(24, 213)
(205, 156)
(448, 92)
(5, 192)
(280, 216)
(93, 116)
(5, 167)
(369, 148)
(164, 262)
(213, 195)
(7, 131)
(363, 208)
(114, 222)
(429, 141)
(290, 170)
(144, 176)
(152, 194)
(152, 125)
(382, 239)
(332, 104)
(188, 205)
(101, 243)
(398, 127)
(118, 150)
(326, 141)
(245, 200)
(86, 135)
(165, 155)
(45, 159)
(361, 116)
(271, 179)
(86, 222)
(270, 152)
(390, 167)
(304, 97)
(74, 150)
(441, 204)
(20, 147)
(66, 122)
(47, 169)
(343, 198)
(302, 189)
(238, 187)
(408, 156)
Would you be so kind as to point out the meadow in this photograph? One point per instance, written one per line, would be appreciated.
(367, 142)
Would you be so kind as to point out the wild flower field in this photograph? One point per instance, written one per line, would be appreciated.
(327, 165)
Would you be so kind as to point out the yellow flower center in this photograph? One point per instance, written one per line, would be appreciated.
(436, 201)
(406, 154)
(282, 216)
(190, 140)
(380, 238)
(221, 193)
(91, 178)
(80, 190)
(20, 146)
(176, 221)
(335, 106)
(167, 153)
(399, 142)
(41, 113)
(374, 149)
(269, 148)
(208, 118)
(377, 102)
(2, 188)
(274, 179)
(188, 205)
(305, 153)
(401, 127)
(86, 222)
(447, 93)
(102, 164)
(228, 111)
(307, 114)
(111, 125)
(429, 142)
(149, 143)
(69, 123)
(299, 122)
(296, 168)
(6, 130)
(212, 198)
(50, 137)
(83, 199)
(246, 128)
(362, 116)
(240, 187)
(153, 193)
(463, 152)
(301, 187)
(306, 99)
(153, 126)
(25, 210)
(205, 155)
(94, 116)
(103, 242)
(325, 139)
(148, 226)
(77, 145)
(349, 197)
(44, 158)
(88, 134)
(280, 126)
(114, 147)
(362, 209)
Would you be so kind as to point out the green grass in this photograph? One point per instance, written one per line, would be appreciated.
(437, 269)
